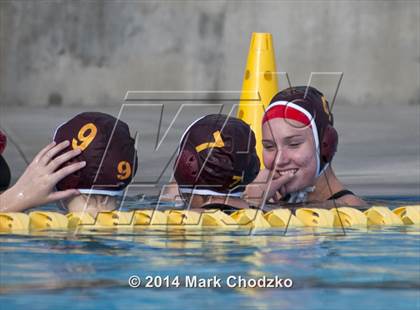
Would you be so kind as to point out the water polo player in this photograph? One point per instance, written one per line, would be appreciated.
(111, 161)
(217, 159)
(299, 143)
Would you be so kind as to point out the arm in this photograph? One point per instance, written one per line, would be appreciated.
(36, 185)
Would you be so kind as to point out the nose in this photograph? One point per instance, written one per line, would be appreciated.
(282, 158)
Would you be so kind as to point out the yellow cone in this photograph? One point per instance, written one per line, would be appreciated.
(259, 84)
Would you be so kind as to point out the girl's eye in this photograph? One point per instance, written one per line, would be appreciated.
(269, 146)
(295, 144)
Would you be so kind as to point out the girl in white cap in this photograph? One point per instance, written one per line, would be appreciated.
(299, 143)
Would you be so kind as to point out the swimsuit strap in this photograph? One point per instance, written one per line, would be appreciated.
(286, 198)
(222, 207)
(4, 174)
(340, 194)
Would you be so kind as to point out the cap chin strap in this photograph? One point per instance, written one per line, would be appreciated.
(322, 170)
(302, 195)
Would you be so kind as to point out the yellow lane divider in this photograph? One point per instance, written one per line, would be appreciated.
(14, 222)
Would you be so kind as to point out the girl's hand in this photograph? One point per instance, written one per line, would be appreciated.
(267, 185)
(36, 185)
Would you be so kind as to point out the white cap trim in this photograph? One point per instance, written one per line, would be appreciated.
(207, 192)
(187, 130)
(101, 192)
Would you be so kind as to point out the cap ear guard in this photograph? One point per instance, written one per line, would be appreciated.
(329, 144)
(5, 175)
(187, 167)
(3, 142)
(252, 170)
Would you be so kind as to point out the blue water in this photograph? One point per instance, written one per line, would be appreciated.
(375, 268)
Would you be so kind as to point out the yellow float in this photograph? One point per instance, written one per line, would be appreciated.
(15, 222)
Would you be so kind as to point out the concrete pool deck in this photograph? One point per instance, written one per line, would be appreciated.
(379, 150)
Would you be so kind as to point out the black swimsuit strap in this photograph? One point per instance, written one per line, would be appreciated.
(286, 197)
(222, 207)
(4, 174)
(340, 194)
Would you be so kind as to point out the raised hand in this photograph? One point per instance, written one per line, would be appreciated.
(36, 186)
(268, 185)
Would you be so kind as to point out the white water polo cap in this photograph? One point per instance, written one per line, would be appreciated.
(308, 106)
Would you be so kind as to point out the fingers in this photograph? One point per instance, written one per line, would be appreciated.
(58, 161)
(276, 198)
(281, 180)
(54, 151)
(65, 171)
(63, 195)
(276, 185)
(43, 151)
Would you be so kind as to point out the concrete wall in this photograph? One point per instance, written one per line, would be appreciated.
(88, 52)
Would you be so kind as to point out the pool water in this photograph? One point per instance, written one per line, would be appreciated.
(370, 268)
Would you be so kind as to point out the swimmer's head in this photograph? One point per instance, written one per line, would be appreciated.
(5, 175)
(298, 135)
(107, 148)
(217, 157)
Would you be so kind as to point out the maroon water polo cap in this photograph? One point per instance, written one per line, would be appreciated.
(217, 157)
(309, 106)
(3, 142)
(5, 175)
(100, 137)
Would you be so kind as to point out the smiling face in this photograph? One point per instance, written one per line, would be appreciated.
(289, 147)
